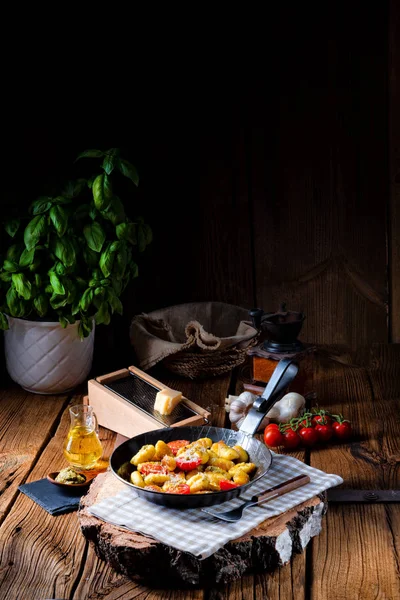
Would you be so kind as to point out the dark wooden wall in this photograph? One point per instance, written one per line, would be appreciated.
(279, 186)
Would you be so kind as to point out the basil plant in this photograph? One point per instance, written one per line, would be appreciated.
(76, 253)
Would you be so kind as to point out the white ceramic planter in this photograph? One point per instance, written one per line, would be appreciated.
(44, 358)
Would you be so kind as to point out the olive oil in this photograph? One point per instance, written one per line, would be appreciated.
(82, 447)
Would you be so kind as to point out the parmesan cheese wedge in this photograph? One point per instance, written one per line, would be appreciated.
(166, 400)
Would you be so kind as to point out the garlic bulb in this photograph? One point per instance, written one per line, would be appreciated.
(287, 407)
(239, 406)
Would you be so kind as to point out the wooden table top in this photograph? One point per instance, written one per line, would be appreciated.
(356, 556)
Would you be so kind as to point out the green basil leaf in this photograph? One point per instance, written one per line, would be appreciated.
(22, 285)
(64, 250)
(102, 316)
(148, 234)
(128, 170)
(12, 227)
(95, 236)
(81, 212)
(75, 306)
(35, 265)
(38, 280)
(132, 234)
(117, 286)
(13, 302)
(100, 292)
(27, 257)
(72, 189)
(86, 300)
(120, 263)
(59, 219)
(134, 270)
(10, 266)
(85, 326)
(72, 291)
(107, 261)
(6, 277)
(91, 257)
(14, 252)
(58, 301)
(102, 192)
(59, 200)
(116, 212)
(115, 302)
(97, 274)
(71, 319)
(122, 231)
(109, 161)
(90, 154)
(56, 284)
(63, 322)
(34, 230)
(41, 304)
(142, 237)
(93, 212)
(90, 181)
(41, 205)
(60, 268)
(3, 321)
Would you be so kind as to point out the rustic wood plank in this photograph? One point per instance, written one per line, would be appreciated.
(317, 172)
(343, 559)
(26, 424)
(394, 165)
(355, 555)
(40, 553)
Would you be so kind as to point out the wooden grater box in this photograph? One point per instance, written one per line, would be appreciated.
(124, 415)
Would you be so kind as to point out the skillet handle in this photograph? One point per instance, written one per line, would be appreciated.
(284, 373)
(281, 488)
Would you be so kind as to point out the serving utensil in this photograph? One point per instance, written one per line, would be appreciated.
(278, 490)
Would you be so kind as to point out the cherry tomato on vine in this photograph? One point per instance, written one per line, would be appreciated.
(308, 436)
(324, 432)
(321, 420)
(291, 439)
(273, 437)
(342, 430)
(272, 426)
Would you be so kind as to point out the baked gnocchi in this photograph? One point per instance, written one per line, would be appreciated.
(183, 467)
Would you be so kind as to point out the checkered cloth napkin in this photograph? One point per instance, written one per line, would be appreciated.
(193, 530)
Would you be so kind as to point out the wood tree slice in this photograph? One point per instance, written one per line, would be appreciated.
(270, 545)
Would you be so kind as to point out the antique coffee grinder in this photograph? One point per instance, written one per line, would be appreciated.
(278, 339)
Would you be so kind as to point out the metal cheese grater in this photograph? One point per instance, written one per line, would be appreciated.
(142, 395)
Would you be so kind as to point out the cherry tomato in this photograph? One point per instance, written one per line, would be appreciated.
(225, 485)
(273, 437)
(342, 430)
(188, 463)
(272, 426)
(181, 488)
(176, 444)
(308, 436)
(291, 439)
(321, 420)
(324, 432)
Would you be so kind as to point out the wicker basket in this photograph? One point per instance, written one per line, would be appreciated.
(199, 339)
(195, 365)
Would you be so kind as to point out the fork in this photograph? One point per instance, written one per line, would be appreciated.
(278, 490)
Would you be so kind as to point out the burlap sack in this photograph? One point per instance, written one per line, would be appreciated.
(195, 327)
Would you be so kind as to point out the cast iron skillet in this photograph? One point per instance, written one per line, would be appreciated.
(259, 454)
